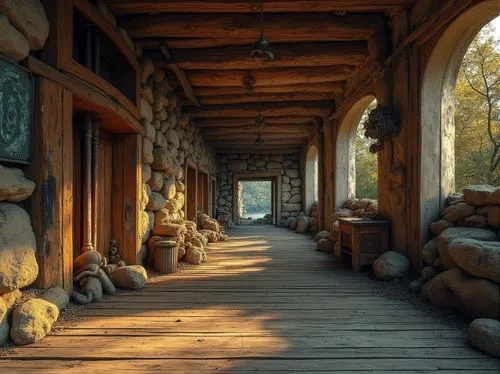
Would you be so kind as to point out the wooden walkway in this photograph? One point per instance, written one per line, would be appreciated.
(266, 301)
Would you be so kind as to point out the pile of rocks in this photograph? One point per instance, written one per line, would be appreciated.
(266, 220)
(170, 140)
(464, 256)
(288, 165)
(23, 28)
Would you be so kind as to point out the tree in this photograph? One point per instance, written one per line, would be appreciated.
(477, 113)
(366, 162)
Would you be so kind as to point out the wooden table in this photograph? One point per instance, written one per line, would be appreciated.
(363, 239)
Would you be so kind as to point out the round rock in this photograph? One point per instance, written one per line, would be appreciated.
(132, 277)
(391, 265)
(484, 335)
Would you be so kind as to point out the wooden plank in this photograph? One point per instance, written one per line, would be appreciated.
(286, 55)
(329, 87)
(269, 77)
(245, 121)
(53, 178)
(268, 129)
(259, 98)
(316, 108)
(279, 27)
(122, 7)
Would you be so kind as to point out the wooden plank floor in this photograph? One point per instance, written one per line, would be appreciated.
(265, 301)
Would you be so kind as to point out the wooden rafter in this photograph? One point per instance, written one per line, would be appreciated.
(328, 87)
(244, 121)
(256, 98)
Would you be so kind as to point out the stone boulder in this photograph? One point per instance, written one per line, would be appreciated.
(494, 216)
(452, 233)
(57, 296)
(291, 207)
(494, 197)
(484, 335)
(14, 187)
(292, 173)
(325, 245)
(147, 151)
(391, 265)
(478, 194)
(292, 223)
(12, 42)
(4, 323)
(458, 212)
(322, 235)
(237, 165)
(162, 161)
(430, 251)
(18, 266)
(169, 188)
(156, 202)
(131, 277)
(477, 258)
(194, 255)
(342, 213)
(28, 16)
(439, 226)
(302, 226)
(455, 289)
(32, 321)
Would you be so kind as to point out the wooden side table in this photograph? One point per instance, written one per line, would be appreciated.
(363, 239)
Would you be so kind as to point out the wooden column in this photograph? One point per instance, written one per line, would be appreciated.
(95, 176)
(52, 171)
(87, 198)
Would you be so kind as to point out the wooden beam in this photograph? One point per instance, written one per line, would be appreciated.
(267, 129)
(256, 98)
(123, 7)
(329, 87)
(269, 77)
(286, 55)
(269, 149)
(250, 141)
(278, 27)
(315, 108)
(250, 136)
(181, 76)
(245, 121)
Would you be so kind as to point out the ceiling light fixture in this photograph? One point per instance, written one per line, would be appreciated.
(261, 50)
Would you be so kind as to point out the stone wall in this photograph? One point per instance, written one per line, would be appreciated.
(291, 182)
(170, 140)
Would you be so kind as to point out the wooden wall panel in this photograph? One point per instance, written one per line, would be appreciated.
(52, 172)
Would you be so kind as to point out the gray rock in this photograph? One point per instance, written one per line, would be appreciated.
(325, 245)
(4, 323)
(12, 43)
(302, 225)
(322, 235)
(147, 151)
(292, 173)
(417, 285)
(430, 251)
(237, 165)
(170, 188)
(285, 196)
(295, 199)
(156, 202)
(132, 277)
(292, 223)
(428, 272)
(14, 187)
(391, 265)
(57, 296)
(458, 212)
(478, 258)
(291, 207)
(146, 110)
(146, 172)
(452, 233)
(478, 194)
(285, 179)
(32, 321)
(273, 165)
(439, 226)
(494, 216)
(295, 182)
(156, 181)
(484, 335)
(455, 198)
(18, 266)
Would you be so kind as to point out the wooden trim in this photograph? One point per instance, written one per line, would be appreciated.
(90, 98)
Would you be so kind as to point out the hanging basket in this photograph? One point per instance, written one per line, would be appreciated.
(165, 256)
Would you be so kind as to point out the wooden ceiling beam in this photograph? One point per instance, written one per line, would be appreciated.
(269, 77)
(251, 136)
(329, 87)
(267, 129)
(313, 108)
(286, 55)
(288, 27)
(257, 98)
(259, 149)
(245, 121)
(124, 7)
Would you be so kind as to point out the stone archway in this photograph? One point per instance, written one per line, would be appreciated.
(437, 129)
(345, 180)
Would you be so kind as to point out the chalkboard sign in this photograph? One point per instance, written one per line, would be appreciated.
(16, 112)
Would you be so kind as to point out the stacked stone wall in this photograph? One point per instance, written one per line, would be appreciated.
(291, 183)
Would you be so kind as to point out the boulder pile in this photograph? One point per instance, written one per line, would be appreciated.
(464, 255)
(305, 224)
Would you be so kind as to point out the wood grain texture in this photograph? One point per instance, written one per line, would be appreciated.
(266, 301)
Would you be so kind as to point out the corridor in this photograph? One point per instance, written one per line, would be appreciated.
(265, 301)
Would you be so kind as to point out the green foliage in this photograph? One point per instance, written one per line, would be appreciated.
(366, 162)
(256, 196)
(477, 113)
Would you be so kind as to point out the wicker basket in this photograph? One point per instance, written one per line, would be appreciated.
(165, 258)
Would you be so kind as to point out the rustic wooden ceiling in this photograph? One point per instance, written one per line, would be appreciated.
(318, 46)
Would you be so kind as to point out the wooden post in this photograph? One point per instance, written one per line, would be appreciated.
(95, 176)
(87, 184)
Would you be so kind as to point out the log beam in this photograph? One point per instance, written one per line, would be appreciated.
(279, 27)
(268, 129)
(329, 87)
(124, 7)
(286, 55)
(270, 77)
(315, 108)
(252, 98)
(245, 121)
(269, 149)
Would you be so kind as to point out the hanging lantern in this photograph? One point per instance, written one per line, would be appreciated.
(261, 50)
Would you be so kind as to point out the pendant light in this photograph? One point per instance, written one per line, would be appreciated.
(261, 50)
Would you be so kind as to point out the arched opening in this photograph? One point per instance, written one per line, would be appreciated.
(437, 163)
(352, 147)
(311, 185)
